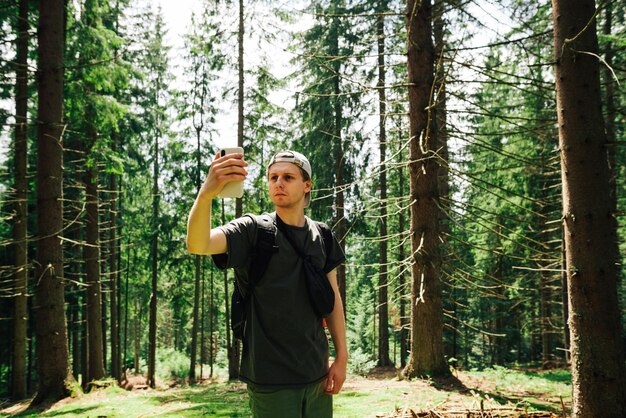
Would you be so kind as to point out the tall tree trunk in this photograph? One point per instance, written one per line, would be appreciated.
(154, 257)
(232, 345)
(113, 302)
(404, 318)
(92, 269)
(194, 327)
(75, 291)
(240, 96)
(441, 124)
(338, 154)
(234, 349)
(427, 312)
(383, 306)
(20, 224)
(197, 260)
(136, 318)
(126, 288)
(598, 370)
(202, 325)
(211, 308)
(565, 301)
(55, 376)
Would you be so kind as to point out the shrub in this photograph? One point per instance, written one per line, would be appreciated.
(171, 364)
(360, 363)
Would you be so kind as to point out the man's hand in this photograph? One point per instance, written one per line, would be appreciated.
(336, 376)
(230, 167)
(200, 238)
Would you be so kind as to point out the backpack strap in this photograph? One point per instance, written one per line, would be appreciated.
(263, 250)
(327, 236)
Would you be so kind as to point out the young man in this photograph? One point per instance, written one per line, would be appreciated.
(285, 349)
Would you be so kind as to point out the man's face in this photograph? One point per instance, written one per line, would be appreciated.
(287, 186)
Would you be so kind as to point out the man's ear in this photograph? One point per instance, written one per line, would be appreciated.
(307, 186)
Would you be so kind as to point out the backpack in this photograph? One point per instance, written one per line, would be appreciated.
(262, 252)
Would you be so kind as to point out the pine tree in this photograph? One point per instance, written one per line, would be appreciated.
(590, 227)
(205, 61)
(20, 225)
(426, 294)
(55, 376)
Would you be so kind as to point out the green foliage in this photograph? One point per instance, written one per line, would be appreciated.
(360, 363)
(171, 364)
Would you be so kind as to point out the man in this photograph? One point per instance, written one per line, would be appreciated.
(285, 349)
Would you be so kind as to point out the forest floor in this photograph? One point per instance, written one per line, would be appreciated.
(496, 392)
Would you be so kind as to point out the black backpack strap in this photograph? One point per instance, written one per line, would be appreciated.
(263, 250)
(327, 236)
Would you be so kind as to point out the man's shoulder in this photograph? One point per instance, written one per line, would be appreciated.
(321, 227)
(264, 221)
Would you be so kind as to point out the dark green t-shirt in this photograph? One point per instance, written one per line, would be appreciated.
(284, 344)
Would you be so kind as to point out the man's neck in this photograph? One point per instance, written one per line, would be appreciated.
(292, 216)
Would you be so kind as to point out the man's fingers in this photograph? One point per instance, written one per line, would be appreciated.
(333, 384)
(230, 167)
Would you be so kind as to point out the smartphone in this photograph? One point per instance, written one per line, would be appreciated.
(234, 188)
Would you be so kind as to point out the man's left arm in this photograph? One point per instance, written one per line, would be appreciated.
(337, 326)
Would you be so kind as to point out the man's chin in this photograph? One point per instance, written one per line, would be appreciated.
(283, 204)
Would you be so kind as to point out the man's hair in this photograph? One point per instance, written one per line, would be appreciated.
(305, 175)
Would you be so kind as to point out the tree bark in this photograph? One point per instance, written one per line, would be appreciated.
(92, 269)
(441, 124)
(114, 269)
(426, 300)
(202, 324)
(55, 376)
(339, 157)
(234, 348)
(404, 318)
(154, 248)
(194, 327)
(565, 300)
(20, 224)
(197, 260)
(383, 305)
(240, 96)
(598, 371)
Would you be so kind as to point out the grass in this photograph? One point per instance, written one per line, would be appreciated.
(541, 390)
(380, 394)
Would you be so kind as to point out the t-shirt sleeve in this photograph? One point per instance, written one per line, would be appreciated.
(335, 256)
(240, 237)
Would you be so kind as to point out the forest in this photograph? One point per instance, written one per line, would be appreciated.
(470, 157)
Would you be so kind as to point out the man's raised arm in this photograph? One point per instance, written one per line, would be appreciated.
(201, 239)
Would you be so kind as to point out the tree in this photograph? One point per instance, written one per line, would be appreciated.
(205, 60)
(157, 65)
(426, 297)
(55, 376)
(96, 115)
(20, 225)
(598, 371)
(383, 307)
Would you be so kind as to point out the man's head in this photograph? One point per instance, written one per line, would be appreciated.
(285, 167)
